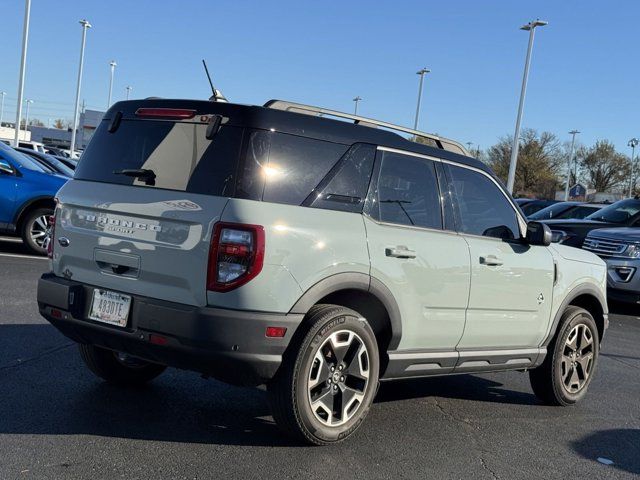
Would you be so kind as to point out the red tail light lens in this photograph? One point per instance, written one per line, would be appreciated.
(236, 255)
(52, 231)
(180, 113)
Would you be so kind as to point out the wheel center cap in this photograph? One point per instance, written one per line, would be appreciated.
(336, 377)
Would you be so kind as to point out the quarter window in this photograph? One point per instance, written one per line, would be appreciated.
(407, 192)
(481, 207)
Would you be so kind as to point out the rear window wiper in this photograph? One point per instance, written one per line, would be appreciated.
(147, 175)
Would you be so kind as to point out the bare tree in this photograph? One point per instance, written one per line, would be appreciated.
(59, 123)
(603, 167)
(539, 160)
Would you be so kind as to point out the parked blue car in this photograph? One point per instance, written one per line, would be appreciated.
(27, 194)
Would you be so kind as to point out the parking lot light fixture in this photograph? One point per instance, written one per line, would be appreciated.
(422, 72)
(2, 95)
(85, 26)
(573, 144)
(23, 66)
(633, 143)
(356, 100)
(26, 120)
(112, 65)
(531, 28)
(128, 88)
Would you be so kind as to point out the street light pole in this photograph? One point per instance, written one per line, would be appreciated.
(23, 66)
(531, 27)
(113, 65)
(422, 73)
(573, 144)
(356, 100)
(85, 25)
(2, 94)
(633, 143)
(26, 120)
(128, 88)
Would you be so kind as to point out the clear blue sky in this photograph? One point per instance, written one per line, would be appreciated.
(584, 73)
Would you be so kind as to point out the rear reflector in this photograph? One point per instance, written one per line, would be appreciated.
(158, 339)
(55, 313)
(180, 113)
(276, 332)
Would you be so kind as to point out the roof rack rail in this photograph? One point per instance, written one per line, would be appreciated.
(440, 142)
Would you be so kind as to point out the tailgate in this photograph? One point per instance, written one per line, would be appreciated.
(148, 242)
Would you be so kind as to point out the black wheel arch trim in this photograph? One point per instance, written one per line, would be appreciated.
(27, 205)
(573, 294)
(354, 281)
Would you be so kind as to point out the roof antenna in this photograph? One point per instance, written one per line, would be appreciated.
(217, 94)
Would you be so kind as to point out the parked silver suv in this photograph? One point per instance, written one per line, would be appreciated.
(277, 245)
(620, 249)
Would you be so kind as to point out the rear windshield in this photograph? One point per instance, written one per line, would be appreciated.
(178, 153)
(619, 212)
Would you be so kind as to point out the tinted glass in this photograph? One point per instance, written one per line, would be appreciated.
(578, 212)
(179, 154)
(552, 211)
(407, 192)
(296, 166)
(347, 183)
(619, 212)
(482, 208)
(19, 160)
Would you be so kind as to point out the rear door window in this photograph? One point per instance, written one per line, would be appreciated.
(178, 153)
(407, 192)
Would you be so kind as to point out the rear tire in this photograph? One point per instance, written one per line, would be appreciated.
(565, 375)
(35, 230)
(117, 368)
(328, 378)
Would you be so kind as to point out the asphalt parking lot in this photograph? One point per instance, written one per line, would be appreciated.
(58, 421)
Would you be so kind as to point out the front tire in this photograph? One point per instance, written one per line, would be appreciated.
(565, 375)
(35, 230)
(118, 368)
(327, 381)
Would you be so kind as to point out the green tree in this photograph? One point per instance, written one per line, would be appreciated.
(539, 160)
(603, 167)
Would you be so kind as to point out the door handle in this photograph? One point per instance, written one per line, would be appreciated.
(491, 261)
(399, 252)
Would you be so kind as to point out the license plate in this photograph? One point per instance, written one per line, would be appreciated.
(110, 307)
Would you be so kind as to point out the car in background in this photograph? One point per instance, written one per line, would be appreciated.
(565, 210)
(72, 163)
(35, 146)
(56, 151)
(27, 194)
(620, 249)
(571, 232)
(48, 160)
(529, 206)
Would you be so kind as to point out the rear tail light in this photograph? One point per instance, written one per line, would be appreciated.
(236, 255)
(52, 231)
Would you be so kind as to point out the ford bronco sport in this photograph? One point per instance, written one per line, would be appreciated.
(282, 245)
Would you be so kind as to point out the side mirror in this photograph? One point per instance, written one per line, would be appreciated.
(538, 234)
(6, 168)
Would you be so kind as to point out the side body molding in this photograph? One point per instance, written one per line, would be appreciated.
(354, 281)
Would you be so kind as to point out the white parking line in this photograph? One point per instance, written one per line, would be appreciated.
(17, 255)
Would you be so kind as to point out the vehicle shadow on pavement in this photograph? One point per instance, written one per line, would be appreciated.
(463, 387)
(620, 445)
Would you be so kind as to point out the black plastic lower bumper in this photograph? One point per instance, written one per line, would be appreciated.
(228, 345)
(625, 296)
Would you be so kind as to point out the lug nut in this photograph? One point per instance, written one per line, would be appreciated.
(340, 367)
(342, 379)
(335, 387)
(333, 368)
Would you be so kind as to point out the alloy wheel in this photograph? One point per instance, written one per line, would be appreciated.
(577, 358)
(338, 378)
(40, 231)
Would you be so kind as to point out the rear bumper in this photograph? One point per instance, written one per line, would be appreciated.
(228, 345)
